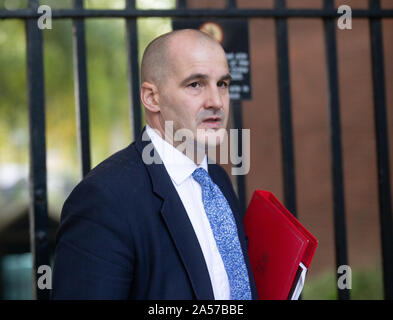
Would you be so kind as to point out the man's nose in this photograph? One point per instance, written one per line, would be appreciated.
(214, 98)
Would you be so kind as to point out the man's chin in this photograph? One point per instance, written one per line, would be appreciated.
(210, 138)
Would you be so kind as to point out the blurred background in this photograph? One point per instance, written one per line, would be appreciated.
(110, 128)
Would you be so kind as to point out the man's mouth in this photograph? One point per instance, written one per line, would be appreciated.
(212, 122)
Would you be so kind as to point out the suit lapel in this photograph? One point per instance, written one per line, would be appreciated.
(179, 225)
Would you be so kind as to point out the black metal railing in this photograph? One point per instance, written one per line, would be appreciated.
(335, 143)
(36, 106)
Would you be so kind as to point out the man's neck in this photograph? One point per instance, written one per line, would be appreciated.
(189, 147)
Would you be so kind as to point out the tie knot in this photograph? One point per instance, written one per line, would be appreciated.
(201, 176)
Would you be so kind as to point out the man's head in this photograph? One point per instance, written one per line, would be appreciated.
(185, 79)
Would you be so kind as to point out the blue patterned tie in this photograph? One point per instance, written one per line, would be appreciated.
(224, 229)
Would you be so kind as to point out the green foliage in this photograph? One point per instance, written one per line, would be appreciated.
(107, 82)
(366, 285)
(13, 101)
(109, 105)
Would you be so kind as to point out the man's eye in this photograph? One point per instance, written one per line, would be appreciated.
(194, 85)
(222, 84)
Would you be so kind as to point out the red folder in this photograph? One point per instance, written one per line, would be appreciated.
(277, 244)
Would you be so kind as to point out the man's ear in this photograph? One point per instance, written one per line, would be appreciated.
(150, 97)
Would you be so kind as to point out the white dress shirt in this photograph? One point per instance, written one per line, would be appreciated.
(180, 169)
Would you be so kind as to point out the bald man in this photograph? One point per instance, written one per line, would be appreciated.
(154, 221)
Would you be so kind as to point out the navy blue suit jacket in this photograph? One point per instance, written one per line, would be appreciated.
(124, 234)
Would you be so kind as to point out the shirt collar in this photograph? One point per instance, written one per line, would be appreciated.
(178, 165)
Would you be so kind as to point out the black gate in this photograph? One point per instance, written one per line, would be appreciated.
(36, 105)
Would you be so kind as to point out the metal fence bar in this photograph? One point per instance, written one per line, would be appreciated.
(385, 206)
(284, 91)
(38, 213)
(196, 13)
(232, 4)
(237, 115)
(81, 90)
(133, 72)
(335, 145)
(181, 4)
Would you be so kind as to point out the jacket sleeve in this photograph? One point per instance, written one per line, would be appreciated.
(94, 254)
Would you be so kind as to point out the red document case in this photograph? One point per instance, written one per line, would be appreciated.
(277, 244)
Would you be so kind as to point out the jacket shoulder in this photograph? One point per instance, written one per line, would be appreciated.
(119, 177)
